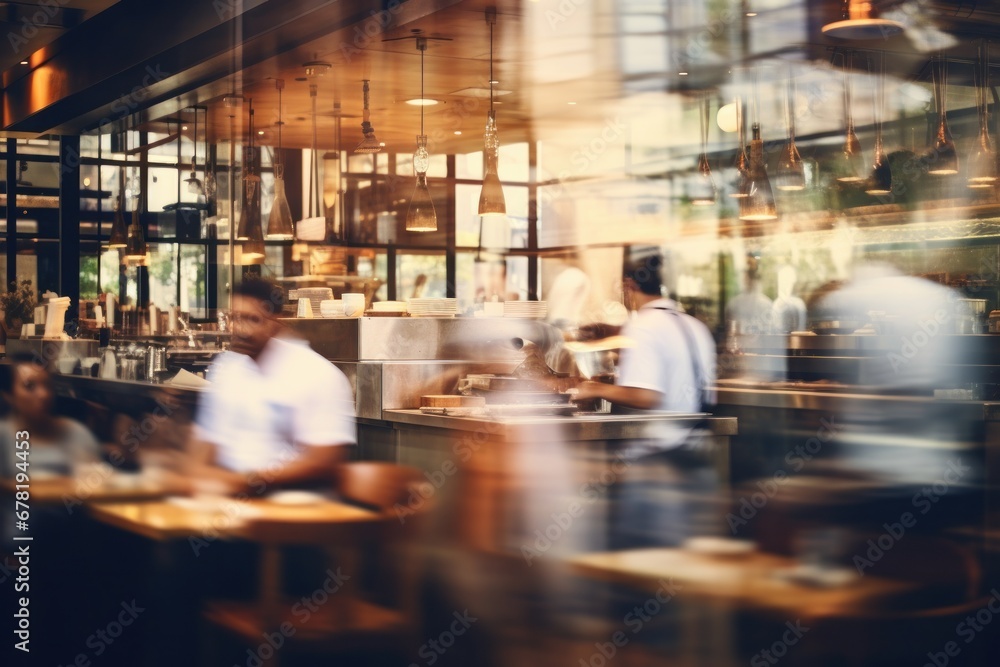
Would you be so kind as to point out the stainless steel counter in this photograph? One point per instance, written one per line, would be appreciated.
(579, 427)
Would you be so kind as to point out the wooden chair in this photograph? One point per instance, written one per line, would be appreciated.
(344, 620)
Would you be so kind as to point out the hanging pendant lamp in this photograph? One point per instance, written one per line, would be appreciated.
(135, 245)
(491, 199)
(852, 161)
(313, 227)
(983, 163)
(332, 183)
(194, 184)
(759, 202)
(791, 173)
(369, 144)
(279, 222)
(859, 20)
(942, 156)
(421, 217)
(119, 231)
(742, 162)
(703, 189)
(880, 180)
(250, 233)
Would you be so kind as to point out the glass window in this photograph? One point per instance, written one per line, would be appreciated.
(162, 263)
(513, 162)
(356, 164)
(162, 188)
(469, 165)
(497, 232)
(193, 282)
(420, 275)
(482, 276)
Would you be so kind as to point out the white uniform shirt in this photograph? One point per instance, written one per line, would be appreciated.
(661, 361)
(259, 414)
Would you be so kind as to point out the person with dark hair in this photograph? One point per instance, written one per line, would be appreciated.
(669, 367)
(277, 413)
(58, 445)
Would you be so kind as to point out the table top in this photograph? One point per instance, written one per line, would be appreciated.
(69, 491)
(752, 580)
(179, 518)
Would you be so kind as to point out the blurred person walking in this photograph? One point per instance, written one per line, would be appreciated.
(277, 413)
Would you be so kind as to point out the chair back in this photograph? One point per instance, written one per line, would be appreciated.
(376, 484)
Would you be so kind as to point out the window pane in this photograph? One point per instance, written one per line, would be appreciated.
(193, 281)
(420, 275)
(162, 263)
(162, 188)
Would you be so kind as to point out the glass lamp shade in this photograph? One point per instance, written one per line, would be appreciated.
(742, 165)
(791, 173)
(852, 167)
(880, 180)
(942, 157)
(249, 231)
(703, 192)
(983, 163)
(119, 231)
(759, 202)
(279, 222)
(491, 199)
(135, 246)
(421, 217)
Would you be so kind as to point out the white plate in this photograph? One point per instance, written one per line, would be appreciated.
(296, 498)
(719, 546)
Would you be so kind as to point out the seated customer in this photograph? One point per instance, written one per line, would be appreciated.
(57, 445)
(276, 413)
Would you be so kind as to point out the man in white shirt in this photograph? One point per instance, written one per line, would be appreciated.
(665, 496)
(277, 413)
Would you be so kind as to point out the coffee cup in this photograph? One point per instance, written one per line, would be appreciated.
(354, 304)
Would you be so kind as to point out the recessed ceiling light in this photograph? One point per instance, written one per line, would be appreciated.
(494, 82)
(751, 14)
(682, 74)
(260, 132)
(24, 62)
(571, 103)
(421, 102)
(382, 144)
(184, 127)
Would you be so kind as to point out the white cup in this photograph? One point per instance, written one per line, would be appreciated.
(354, 304)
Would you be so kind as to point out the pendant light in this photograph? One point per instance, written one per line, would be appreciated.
(369, 144)
(119, 231)
(704, 191)
(421, 217)
(279, 222)
(249, 232)
(742, 162)
(193, 182)
(313, 227)
(135, 245)
(942, 156)
(858, 20)
(791, 174)
(983, 164)
(852, 160)
(333, 196)
(880, 180)
(491, 199)
(759, 202)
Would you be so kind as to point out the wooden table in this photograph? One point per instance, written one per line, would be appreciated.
(749, 581)
(69, 491)
(179, 518)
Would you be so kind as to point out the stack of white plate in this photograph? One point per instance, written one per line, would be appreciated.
(316, 296)
(389, 306)
(432, 307)
(526, 309)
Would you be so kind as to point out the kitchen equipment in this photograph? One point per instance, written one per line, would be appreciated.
(835, 326)
(156, 362)
(970, 315)
(596, 359)
(451, 401)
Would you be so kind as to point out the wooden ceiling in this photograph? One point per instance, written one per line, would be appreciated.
(560, 65)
